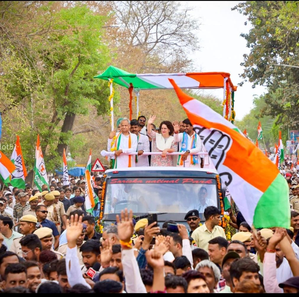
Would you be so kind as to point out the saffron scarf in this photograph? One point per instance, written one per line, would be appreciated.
(116, 148)
(184, 146)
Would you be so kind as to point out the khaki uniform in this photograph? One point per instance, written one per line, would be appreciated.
(16, 246)
(295, 203)
(29, 212)
(62, 250)
(55, 213)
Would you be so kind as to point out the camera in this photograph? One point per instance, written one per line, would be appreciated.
(172, 228)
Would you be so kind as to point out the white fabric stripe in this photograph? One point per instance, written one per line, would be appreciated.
(161, 80)
(217, 144)
(4, 172)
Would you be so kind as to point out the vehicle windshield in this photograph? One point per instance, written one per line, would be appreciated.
(170, 195)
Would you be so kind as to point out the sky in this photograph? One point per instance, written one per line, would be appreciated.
(222, 48)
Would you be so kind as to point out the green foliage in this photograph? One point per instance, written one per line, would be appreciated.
(49, 78)
(274, 55)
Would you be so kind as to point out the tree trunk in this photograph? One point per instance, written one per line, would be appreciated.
(66, 127)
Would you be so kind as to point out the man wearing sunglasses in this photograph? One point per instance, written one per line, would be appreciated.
(193, 220)
(41, 215)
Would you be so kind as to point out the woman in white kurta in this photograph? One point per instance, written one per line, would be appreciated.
(162, 142)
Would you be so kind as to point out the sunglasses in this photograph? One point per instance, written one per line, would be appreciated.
(193, 219)
(141, 120)
(43, 211)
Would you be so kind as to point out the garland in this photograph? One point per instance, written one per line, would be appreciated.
(110, 83)
(100, 221)
(222, 223)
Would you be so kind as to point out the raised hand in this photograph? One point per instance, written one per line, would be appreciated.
(183, 231)
(278, 235)
(125, 227)
(154, 258)
(74, 229)
(151, 119)
(162, 243)
(106, 254)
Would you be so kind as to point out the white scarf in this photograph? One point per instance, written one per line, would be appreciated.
(163, 143)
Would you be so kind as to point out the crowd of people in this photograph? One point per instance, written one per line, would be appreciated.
(50, 244)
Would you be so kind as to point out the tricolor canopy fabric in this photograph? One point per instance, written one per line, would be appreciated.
(150, 81)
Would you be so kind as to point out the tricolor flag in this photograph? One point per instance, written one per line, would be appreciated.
(245, 133)
(19, 175)
(6, 167)
(65, 176)
(280, 152)
(275, 160)
(40, 173)
(91, 199)
(254, 182)
(259, 132)
(256, 143)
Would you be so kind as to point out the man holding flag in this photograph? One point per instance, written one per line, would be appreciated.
(19, 175)
(259, 190)
(40, 173)
(259, 132)
(91, 199)
(65, 177)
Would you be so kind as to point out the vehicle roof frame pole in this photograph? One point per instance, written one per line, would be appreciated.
(110, 83)
(137, 103)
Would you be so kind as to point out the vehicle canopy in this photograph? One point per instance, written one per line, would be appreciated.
(168, 191)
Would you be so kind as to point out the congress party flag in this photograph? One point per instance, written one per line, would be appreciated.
(259, 132)
(19, 175)
(91, 199)
(65, 174)
(6, 167)
(254, 182)
(40, 173)
(276, 159)
(280, 151)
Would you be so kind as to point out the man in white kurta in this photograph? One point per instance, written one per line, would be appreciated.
(142, 146)
(189, 143)
(123, 144)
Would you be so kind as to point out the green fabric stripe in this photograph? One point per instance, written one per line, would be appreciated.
(136, 81)
(273, 208)
(18, 183)
(124, 79)
(88, 167)
(39, 180)
(226, 204)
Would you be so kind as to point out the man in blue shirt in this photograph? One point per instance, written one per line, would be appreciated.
(41, 215)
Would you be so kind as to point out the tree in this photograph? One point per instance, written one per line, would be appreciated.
(163, 31)
(273, 43)
(62, 49)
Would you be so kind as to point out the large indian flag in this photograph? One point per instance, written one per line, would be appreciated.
(40, 173)
(254, 182)
(19, 175)
(91, 199)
